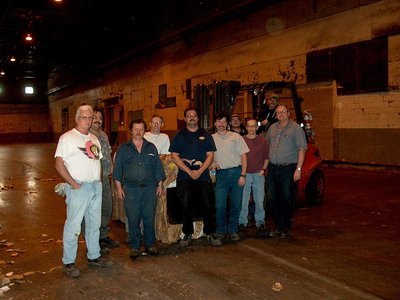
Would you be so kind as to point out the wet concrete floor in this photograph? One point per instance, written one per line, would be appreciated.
(347, 248)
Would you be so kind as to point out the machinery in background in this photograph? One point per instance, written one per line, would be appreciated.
(223, 96)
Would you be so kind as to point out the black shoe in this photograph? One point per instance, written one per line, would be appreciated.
(214, 240)
(71, 271)
(105, 251)
(242, 228)
(275, 233)
(99, 262)
(186, 241)
(260, 229)
(134, 253)
(108, 243)
(152, 251)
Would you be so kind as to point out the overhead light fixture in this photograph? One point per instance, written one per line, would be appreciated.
(29, 90)
(57, 0)
(12, 59)
(28, 37)
(2, 73)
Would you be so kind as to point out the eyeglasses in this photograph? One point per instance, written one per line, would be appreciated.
(281, 111)
(98, 118)
(86, 118)
(156, 123)
(191, 116)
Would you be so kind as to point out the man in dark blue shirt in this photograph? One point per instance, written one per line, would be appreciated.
(138, 175)
(192, 151)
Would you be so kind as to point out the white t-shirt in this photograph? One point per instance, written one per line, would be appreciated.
(230, 147)
(81, 154)
(160, 140)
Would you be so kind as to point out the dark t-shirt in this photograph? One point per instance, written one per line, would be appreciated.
(192, 148)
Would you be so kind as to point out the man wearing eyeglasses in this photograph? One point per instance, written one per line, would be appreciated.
(155, 136)
(257, 162)
(192, 150)
(78, 157)
(287, 150)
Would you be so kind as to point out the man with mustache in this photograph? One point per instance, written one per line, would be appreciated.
(231, 163)
(139, 174)
(192, 150)
(106, 241)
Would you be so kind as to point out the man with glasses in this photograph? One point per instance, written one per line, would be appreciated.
(287, 150)
(106, 241)
(257, 162)
(192, 150)
(160, 140)
(78, 157)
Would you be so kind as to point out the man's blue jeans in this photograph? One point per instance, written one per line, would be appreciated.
(83, 202)
(256, 182)
(227, 184)
(282, 191)
(140, 205)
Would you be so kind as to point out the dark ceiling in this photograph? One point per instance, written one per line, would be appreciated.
(72, 37)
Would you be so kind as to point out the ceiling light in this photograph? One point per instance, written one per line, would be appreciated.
(2, 73)
(29, 90)
(28, 37)
(12, 58)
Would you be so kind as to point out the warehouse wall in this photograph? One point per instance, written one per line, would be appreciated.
(24, 123)
(268, 45)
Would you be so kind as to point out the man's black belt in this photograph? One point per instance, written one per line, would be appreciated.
(283, 165)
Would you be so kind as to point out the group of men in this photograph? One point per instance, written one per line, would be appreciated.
(241, 162)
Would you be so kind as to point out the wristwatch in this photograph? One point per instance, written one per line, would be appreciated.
(243, 176)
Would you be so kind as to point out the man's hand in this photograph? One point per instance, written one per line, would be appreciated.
(120, 194)
(297, 175)
(242, 181)
(195, 174)
(160, 191)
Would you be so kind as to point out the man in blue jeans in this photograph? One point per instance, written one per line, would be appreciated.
(231, 163)
(139, 174)
(78, 157)
(257, 162)
(287, 151)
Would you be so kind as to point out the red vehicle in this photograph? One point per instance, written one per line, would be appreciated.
(226, 95)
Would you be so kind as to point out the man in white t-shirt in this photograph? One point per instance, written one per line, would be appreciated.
(78, 157)
(160, 140)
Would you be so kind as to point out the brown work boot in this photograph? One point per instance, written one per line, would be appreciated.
(99, 262)
(71, 271)
(134, 253)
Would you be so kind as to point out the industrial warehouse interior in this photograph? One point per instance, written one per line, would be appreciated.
(340, 64)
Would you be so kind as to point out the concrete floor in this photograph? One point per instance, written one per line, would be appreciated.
(345, 249)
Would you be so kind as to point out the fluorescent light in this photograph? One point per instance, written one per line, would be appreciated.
(29, 90)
